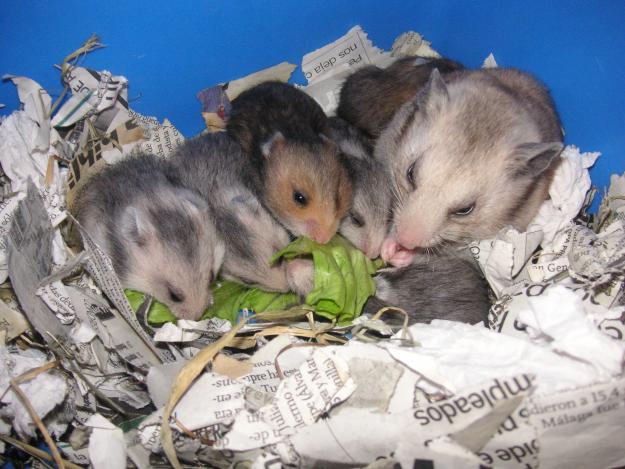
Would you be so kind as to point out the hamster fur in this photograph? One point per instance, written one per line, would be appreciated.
(215, 167)
(441, 287)
(366, 224)
(467, 158)
(300, 178)
(371, 95)
(160, 237)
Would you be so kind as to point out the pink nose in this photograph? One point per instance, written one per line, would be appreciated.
(370, 249)
(395, 254)
(318, 233)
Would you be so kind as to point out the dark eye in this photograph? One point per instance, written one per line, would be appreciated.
(356, 220)
(299, 198)
(410, 174)
(175, 295)
(464, 211)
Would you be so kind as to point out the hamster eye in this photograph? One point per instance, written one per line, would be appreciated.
(464, 211)
(356, 219)
(175, 295)
(410, 174)
(299, 198)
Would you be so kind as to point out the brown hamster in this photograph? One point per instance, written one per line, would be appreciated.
(159, 236)
(214, 166)
(300, 177)
(468, 157)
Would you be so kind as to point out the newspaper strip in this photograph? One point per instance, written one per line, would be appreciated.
(350, 51)
(98, 152)
(12, 322)
(92, 93)
(327, 67)
(30, 261)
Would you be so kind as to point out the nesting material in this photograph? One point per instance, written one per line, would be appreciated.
(547, 370)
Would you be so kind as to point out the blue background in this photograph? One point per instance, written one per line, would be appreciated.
(169, 50)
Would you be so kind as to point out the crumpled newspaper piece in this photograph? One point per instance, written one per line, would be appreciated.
(44, 392)
(107, 448)
(503, 258)
(567, 193)
(327, 67)
(28, 147)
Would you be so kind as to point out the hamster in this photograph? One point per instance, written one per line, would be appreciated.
(371, 96)
(160, 237)
(441, 287)
(366, 224)
(215, 167)
(300, 177)
(467, 158)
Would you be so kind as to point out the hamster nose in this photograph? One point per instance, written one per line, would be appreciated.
(373, 252)
(318, 233)
(186, 313)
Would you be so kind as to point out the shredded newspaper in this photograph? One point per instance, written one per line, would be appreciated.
(102, 387)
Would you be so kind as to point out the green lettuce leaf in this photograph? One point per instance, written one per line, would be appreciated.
(342, 285)
(342, 276)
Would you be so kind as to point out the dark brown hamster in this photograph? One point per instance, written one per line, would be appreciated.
(301, 179)
(372, 95)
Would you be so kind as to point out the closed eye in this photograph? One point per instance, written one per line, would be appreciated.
(463, 211)
(175, 295)
(356, 219)
(410, 174)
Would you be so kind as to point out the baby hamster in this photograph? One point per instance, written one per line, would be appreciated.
(300, 178)
(441, 287)
(468, 157)
(371, 95)
(160, 237)
(215, 167)
(366, 223)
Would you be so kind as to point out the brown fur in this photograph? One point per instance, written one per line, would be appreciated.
(371, 95)
(281, 129)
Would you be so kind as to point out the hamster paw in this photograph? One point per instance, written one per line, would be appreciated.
(300, 276)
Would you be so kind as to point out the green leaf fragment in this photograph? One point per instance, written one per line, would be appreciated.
(342, 285)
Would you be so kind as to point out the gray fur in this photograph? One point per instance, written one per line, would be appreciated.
(159, 236)
(485, 138)
(215, 167)
(366, 224)
(441, 287)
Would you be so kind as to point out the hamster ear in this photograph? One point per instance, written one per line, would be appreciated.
(136, 226)
(537, 157)
(192, 202)
(274, 144)
(434, 93)
(328, 142)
